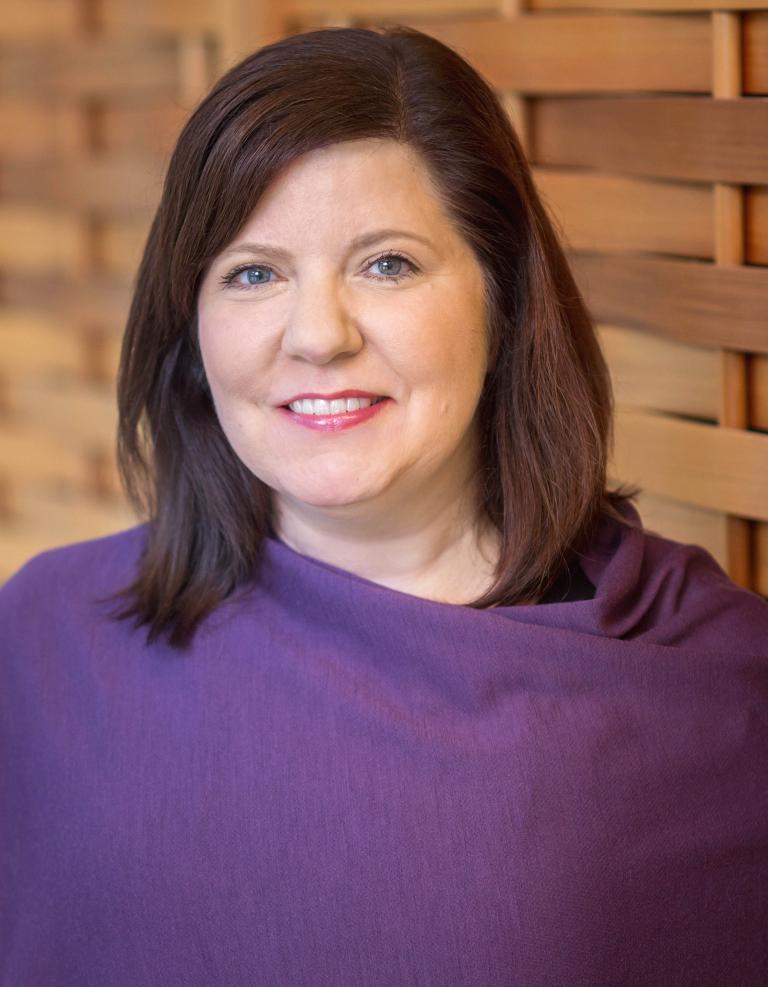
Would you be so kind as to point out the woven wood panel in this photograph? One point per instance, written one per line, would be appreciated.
(93, 97)
(646, 124)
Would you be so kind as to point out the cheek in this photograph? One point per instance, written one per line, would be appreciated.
(448, 354)
(229, 363)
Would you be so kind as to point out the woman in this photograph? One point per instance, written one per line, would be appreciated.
(272, 735)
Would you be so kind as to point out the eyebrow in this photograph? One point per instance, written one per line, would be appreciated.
(364, 240)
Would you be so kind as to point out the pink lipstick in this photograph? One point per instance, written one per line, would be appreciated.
(336, 422)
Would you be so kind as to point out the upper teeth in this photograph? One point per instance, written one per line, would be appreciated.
(320, 406)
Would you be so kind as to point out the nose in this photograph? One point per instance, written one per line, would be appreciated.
(320, 327)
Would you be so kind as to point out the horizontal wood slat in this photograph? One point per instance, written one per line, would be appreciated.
(662, 6)
(109, 67)
(651, 372)
(30, 343)
(584, 52)
(28, 454)
(710, 466)
(127, 18)
(42, 518)
(119, 186)
(101, 301)
(142, 129)
(690, 301)
(32, 130)
(34, 238)
(699, 139)
(122, 244)
(39, 20)
(81, 417)
(395, 10)
(614, 213)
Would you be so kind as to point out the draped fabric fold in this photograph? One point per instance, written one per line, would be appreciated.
(343, 784)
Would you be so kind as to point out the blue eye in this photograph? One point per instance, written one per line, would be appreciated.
(398, 259)
(253, 282)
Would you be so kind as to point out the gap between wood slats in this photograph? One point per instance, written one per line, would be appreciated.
(729, 251)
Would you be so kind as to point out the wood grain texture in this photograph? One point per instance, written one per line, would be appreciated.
(39, 21)
(651, 372)
(598, 211)
(692, 302)
(696, 139)
(755, 52)
(147, 18)
(373, 10)
(710, 466)
(756, 225)
(660, 6)
(758, 392)
(106, 67)
(585, 52)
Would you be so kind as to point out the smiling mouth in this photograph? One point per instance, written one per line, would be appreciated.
(377, 400)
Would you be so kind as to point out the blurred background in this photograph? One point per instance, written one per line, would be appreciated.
(646, 124)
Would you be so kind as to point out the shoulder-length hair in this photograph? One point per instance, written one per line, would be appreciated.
(546, 410)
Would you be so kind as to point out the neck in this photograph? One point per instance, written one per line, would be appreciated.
(446, 554)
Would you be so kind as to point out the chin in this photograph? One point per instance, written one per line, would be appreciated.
(332, 492)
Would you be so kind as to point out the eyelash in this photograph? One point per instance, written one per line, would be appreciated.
(229, 279)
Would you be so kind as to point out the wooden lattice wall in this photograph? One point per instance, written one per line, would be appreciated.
(646, 123)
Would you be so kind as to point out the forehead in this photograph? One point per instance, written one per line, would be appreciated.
(345, 187)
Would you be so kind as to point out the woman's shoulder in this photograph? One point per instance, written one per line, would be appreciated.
(676, 593)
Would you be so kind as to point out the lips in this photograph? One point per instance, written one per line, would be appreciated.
(333, 422)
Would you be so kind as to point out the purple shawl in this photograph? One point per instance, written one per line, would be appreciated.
(342, 784)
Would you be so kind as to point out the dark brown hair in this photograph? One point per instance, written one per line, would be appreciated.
(546, 411)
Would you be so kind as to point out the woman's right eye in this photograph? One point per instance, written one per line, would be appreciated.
(233, 277)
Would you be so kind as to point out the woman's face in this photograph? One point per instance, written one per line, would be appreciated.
(312, 312)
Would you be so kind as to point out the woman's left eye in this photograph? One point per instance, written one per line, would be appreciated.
(252, 271)
(399, 259)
